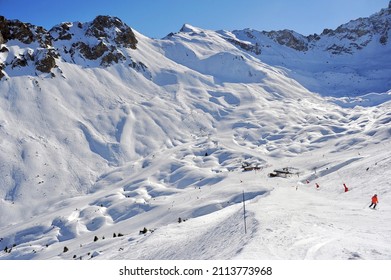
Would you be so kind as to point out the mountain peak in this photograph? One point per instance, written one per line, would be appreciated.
(105, 26)
(101, 40)
(187, 28)
(23, 32)
(347, 38)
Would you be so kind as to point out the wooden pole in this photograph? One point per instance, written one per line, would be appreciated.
(244, 215)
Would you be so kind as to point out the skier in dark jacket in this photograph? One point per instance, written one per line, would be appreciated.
(375, 201)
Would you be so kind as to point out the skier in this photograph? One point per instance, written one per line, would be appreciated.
(375, 201)
(346, 188)
(317, 185)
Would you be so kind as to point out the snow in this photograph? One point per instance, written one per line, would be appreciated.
(93, 155)
(370, 99)
(332, 64)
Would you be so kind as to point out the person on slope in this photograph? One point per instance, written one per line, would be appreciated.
(317, 185)
(346, 188)
(375, 201)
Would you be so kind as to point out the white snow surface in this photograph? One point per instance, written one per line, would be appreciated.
(349, 61)
(94, 155)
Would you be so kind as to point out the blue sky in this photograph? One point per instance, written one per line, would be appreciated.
(157, 18)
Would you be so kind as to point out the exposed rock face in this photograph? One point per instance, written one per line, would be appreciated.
(23, 32)
(93, 52)
(40, 55)
(112, 57)
(290, 39)
(110, 35)
(2, 41)
(357, 34)
(1, 71)
(246, 46)
(68, 41)
(258, 40)
(4, 49)
(61, 32)
(346, 39)
(123, 35)
(22, 60)
(45, 61)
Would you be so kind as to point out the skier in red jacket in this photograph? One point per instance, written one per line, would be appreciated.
(375, 201)
(346, 188)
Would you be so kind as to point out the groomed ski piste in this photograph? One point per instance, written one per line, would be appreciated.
(92, 156)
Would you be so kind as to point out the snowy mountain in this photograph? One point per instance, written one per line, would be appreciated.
(330, 63)
(105, 132)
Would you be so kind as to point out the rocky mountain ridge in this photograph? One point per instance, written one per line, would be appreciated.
(100, 40)
(346, 39)
(103, 41)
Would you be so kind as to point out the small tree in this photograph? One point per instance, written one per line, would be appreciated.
(96, 238)
(65, 249)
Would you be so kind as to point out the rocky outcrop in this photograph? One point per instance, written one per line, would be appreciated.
(290, 39)
(91, 52)
(102, 27)
(42, 59)
(2, 40)
(23, 32)
(46, 60)
(357, 34)
(4, 49)
(257, 40)
(1, 70)
(112, 57)
(21, 61)
(101, 40)
(110, 30)
(109, 35)
(246, 46)
(39, 54)
(346, 39)
(61, 32)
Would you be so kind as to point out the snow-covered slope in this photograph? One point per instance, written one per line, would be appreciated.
(104, 131)
(331, 63)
